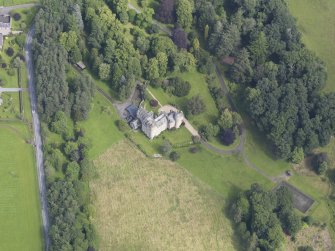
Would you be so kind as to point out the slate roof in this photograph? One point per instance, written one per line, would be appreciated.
(4, 19)
(132, 109)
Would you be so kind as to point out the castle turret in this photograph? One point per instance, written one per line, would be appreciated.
(179, 118)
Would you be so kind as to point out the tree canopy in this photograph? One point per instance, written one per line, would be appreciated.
(280, 80)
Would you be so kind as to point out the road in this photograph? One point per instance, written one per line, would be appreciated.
(8, 9)
(11, 89)
(37, 138)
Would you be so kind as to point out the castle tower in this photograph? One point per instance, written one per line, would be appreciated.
(179, 118)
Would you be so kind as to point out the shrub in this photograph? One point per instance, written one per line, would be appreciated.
(153, 29)
(320, 163)
(179, 87)
(11, 72)
(195, 105)
(308, 220)
(204, 62)
(227, 137)
(196, 139)
(210, 130)
(131, 15)
(10, 51)
(122, 125)
(174, 156)
(23, 26)
(156, 83)
(194, 149)
(166, 148)
(16, 16)
(179, 37)
(22, 58)
(153, 103)
(297, 155)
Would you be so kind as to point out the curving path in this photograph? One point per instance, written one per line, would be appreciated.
(37, 137)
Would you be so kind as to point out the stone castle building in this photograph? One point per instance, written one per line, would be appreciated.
(153, 126)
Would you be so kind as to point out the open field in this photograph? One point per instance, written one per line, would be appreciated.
(20, 208)
(144, 204)
(316, 22)
(16, 2)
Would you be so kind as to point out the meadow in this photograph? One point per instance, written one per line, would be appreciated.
(144, 204)
(19, 205)
(316, 22)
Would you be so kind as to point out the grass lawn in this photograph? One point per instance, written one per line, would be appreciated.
(144, 204)
(259, 154)
(19, 204)
(178, 138)
(100, 127)
(316, 22)
(16, 2)
(226, 174)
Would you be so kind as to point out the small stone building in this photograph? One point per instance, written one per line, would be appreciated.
(5, 28)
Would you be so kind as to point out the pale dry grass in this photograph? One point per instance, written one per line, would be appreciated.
(312, 236)
(144, 204)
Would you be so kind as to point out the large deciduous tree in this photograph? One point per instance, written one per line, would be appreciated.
(166, 11)
(184, 10)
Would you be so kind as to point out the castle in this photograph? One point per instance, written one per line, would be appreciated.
(153, 126)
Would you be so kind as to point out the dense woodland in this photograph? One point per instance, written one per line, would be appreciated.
(278, 78)
(263, 218)
(63, 100)
(278, 81)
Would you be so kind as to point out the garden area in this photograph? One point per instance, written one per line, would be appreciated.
(12, 60)
(22, 18)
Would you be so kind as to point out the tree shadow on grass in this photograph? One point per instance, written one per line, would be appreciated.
(234, 191)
